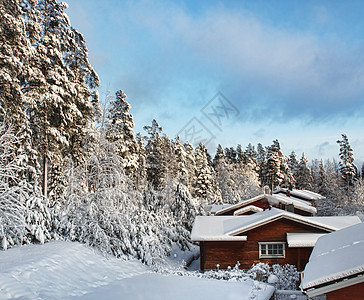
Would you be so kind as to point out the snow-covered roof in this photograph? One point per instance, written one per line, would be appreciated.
(226, 227)
(240, 204)
(290, 200)
(305, 194)
(216, 207)
(248, 208)
(336, 256)
(302, 239)
(272, 199)
(211, 228)
(337, 222)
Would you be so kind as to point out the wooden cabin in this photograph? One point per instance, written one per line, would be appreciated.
(264, 202)
(336, 265)
(272, 236)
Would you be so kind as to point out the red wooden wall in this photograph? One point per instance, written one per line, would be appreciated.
(227, 253)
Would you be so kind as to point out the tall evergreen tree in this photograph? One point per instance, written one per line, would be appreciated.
(205, 189)
(119, 131)
(304, 178)
(250, 158)
(15, 54)
(293, 163)
(224, 176)
(322, 180)
(261, 160)
(59, 89)
(348, 169)
(231, 155)
(141, 172)
(155, 159)
(272, 171)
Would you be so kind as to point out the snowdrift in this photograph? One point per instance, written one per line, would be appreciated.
(66, 270)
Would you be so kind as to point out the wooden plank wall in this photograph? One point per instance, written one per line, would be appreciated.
(247, 252)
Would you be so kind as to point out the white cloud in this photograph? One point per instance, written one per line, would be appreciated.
(299, 70)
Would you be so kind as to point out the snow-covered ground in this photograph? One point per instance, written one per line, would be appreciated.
(65, 270)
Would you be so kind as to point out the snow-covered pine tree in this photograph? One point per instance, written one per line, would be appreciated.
(348, 169)
(230, 155)
(181, 172)
(332, 191)
(190, 166)
(304, 177)
(276, 171)
(59, 89)
(250, 158)
(293, 163)
(246, 178)
(261, 160)
(140, 177)
(321, 184)
(239, 154)
(272, 171)
(224, 178)
(15, 53)
(155, 159)
(120, 132)
(85, 97)
(205, 189)
(183, 207)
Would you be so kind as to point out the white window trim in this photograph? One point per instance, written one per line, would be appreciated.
(269, 255)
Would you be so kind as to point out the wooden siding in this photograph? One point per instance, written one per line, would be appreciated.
(349, 293)
(247, 252)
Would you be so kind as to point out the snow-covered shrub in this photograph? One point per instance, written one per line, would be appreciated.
(24, 214)
(287, 277)
(259, 271)
(231, 274)
(283, 277)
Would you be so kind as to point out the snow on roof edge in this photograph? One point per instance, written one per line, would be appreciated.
(279, 214)
(333, 277)
(247, 201)
(246, 209)
(228, 238)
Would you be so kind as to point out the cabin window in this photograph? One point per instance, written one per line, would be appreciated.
(271, 249)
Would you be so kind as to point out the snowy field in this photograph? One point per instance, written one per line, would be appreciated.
(65, 270)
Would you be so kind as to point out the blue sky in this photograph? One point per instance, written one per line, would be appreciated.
(235, 72)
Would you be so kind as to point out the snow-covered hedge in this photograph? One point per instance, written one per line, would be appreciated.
(284, 277)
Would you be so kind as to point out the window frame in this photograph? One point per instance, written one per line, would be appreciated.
(280, 255)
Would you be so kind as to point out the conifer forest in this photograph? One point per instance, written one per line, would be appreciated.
(72, 169)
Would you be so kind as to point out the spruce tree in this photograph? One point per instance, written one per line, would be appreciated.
(155, 159)
(15, 54)
(304, 178)
(181, 172)
(261, 160)
(224, 177)
(204, 188)
(293, 163)
(250, 158)
(59, 89)
(119, 131)
(348, 169)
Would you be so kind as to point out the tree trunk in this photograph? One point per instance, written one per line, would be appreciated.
(45, 176)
